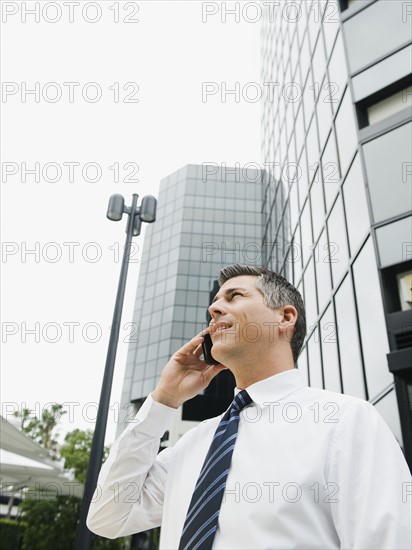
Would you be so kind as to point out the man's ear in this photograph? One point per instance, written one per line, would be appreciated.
(288, 321)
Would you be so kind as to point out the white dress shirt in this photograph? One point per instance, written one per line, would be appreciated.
(310, 469)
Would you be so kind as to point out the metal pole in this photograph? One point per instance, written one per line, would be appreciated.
(84, 536)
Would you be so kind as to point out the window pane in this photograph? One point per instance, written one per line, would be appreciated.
(331, 24)
(346, 132)
(350, 358)
(357, 213)
(306, 230)
(312, 147)
(319, 63)
(294, 206)
(318, 205)
(299, 131)
(310, 296)
(315, 367)
(330, 351)
(322, 264)
(372, 326)
(324, 111)
(338, 73)
(337, 242)
(394, 242)
(297, 256)
(309, 99)
(330, 170)
(387, 28)
(386, 159)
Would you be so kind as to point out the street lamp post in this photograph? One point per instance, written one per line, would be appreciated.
(146, 212)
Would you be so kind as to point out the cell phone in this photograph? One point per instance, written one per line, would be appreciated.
(207, 350)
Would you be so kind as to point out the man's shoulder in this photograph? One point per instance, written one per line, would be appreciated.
(344, 401)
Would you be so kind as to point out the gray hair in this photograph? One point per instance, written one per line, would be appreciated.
(277, 292)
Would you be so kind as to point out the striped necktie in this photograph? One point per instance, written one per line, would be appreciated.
(203, 513)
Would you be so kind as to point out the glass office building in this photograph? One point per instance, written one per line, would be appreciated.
(208, 216)
(336, 126)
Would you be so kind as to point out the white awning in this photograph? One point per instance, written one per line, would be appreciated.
(24, 463)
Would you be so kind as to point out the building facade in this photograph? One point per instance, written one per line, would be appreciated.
(337, 199)
(331, 211)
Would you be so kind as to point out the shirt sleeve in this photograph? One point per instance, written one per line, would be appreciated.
(373, 508)
(130, 489)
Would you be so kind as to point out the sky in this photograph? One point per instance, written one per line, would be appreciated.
(101, 98)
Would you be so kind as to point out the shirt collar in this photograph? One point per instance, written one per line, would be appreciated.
(275, 387)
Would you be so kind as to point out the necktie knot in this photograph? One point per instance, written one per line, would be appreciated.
(242, 399)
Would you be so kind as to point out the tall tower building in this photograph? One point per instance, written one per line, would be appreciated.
(336, 128)
(208, 217)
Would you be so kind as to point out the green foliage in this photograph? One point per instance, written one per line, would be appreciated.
(41, 429)
(11, 533)
(52, 523)
(76, 451)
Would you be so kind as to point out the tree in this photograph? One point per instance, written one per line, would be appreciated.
(51, 521)
(76, 452)
(41, 429)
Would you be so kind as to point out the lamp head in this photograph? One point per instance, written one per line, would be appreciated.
(116, 208)
(148, 209)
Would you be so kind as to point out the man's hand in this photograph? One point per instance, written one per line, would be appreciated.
(185, 375)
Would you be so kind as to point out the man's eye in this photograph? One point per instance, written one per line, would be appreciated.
(236, 294)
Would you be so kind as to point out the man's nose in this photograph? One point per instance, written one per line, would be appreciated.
(216, 309)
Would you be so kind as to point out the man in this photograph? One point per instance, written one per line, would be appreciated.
(305, 468)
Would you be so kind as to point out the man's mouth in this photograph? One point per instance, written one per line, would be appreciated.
(218, 326)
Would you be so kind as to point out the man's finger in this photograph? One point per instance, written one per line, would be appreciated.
(190, 346)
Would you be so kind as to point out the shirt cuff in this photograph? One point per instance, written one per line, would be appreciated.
(153, 418)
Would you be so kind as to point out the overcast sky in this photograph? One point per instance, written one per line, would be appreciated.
(115, 105)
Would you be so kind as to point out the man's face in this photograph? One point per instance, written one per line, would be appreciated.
(241, 321)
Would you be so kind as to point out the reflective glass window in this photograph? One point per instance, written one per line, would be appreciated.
(338, 73)
(310, 295)
(314, 19)
(350, 357)
(388, 28)
(303, 178)
(372, 320)
(304, 59)
(299, 131)
(322, 265)
(306, 232)
(394, 242)
(309, 99)
(297, 256)
(386, 159)
(315, 366)
(319, 63)
(338, 246)
(324, 112)
(331, 24)
(312, 146)
(294, 206)
(329, 343)
(330, 170)
(356, 206)
(346, 132)
(318, 204)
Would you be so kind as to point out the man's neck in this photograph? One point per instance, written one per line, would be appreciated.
(249, 372)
